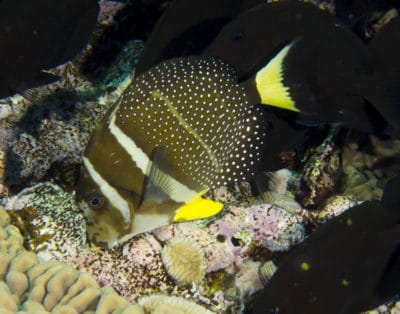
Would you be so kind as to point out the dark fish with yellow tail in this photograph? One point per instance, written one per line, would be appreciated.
(327, 66)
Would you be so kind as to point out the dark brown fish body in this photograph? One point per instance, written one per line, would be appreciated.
(348, 265)
(188, 27)
(37, 35)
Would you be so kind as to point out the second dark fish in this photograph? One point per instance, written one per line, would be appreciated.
(37, 35)
(349, 265)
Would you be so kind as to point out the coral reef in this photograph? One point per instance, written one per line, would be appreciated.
(229, 247)
(320, 174)
(58, 138)
(41, 141)
(31, 285)
(161, 304)
(369, 167)
(273, 227)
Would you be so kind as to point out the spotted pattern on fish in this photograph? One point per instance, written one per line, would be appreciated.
(194, 109)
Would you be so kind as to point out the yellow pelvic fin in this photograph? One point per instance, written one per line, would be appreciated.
(197, 208)
(269, 83)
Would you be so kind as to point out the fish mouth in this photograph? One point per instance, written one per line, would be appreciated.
(102, 234)
(99, 240)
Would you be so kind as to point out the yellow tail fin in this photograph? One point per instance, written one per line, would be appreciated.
(270, 86)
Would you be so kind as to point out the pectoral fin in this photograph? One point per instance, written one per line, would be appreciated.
(157, 186)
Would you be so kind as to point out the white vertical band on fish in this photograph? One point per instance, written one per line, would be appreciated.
(108, 191)
(179, 192)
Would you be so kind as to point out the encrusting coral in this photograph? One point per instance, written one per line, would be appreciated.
(320, 174)
(368, 167)
(336, 205)
(30, 285)
(39, 222)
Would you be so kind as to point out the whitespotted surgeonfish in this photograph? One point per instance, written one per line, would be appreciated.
(351, 264)
(36, 35)
(179, 129)
(187, 125)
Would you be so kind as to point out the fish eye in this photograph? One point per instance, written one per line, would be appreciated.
(95, 201)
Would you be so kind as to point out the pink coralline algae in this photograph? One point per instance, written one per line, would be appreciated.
(273, 226)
